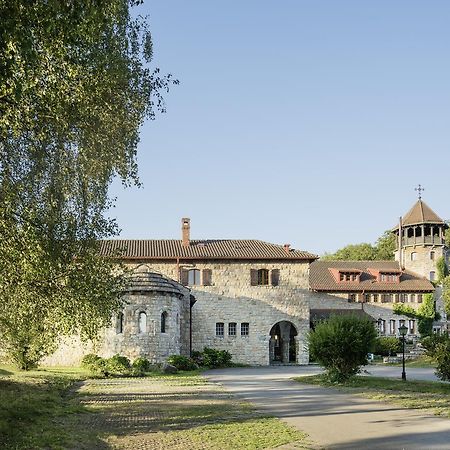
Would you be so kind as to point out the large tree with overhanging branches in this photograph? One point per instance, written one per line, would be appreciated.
(76, 84)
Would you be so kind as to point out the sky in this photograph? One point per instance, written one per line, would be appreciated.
(301, 122)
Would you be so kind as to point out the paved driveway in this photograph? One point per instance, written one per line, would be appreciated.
(334, 419)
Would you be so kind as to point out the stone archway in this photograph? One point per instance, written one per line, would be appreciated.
(283, 343)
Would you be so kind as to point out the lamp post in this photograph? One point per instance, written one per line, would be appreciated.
(402, 331)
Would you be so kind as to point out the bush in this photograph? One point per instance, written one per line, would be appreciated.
(387, 346)
(182, 362)
(118, 366)
(430, 343)
(442, 357)
(212, 358)
(95, 364)
(216, 358)
(341, 344)
(140, 366)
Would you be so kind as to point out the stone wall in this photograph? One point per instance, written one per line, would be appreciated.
(129, 341)
(232, 299)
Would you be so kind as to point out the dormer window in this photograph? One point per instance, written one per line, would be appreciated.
(349, 276)
(389, 277)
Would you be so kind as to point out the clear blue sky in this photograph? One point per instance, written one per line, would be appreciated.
(302, 122)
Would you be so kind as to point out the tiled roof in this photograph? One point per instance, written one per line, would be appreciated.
(420, 213)
(317, 315)
(200, 249)
(321, 277)
(142, 280)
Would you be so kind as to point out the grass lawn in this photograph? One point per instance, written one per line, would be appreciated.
(61, 408)
(422, 362)
(428, 395)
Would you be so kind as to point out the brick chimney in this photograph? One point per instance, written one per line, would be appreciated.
(287, 247)
(186, 231)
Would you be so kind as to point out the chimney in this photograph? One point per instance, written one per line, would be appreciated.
(185, 231)
(287, 247)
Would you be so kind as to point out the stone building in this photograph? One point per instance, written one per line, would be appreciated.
(255, 299)
(372, 286)
(251, 297)
(378, 285)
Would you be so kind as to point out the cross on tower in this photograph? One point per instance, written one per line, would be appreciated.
(419, 189)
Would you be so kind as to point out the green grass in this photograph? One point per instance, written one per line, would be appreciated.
(52, 409)
(33, 405)
(422, 362)
(433, 396)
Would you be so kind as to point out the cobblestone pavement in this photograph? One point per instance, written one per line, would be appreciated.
(163, 413)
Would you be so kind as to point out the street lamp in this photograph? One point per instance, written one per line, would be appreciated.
(402, 331)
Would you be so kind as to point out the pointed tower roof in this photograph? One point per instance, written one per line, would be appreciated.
(421, 213)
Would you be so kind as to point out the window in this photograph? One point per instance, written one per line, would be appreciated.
(352, 297)
(419, 298)
(413, 256)
(220, 329)
(260, 277)
(119, 323)
(142, 322)
(193, 277)
(375, 297)
(412, 298)
(381, 326)
(412, 326)
(164, 322)
(432, 254)
(392, 326)
(245, 328)
(367, 298)
(196, 277)
(348, 276)
(432, 275)
(386, 298)
(263, 277)
(401, 323)
(232, 329)
(389, 277)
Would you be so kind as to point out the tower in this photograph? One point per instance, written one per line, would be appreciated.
(420, 239)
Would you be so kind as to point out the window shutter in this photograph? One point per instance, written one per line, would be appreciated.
(253, 277)
(184, 277)
(275, 275)
(207, 274)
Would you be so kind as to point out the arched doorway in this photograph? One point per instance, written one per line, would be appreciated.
(282, 343)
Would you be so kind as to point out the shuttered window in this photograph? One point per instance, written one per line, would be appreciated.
(206, 275)
(275, 277)
(261, 277)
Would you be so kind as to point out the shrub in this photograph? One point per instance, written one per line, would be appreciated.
(182, 362)
(442, 357)
(216, 358)
(197, 357)
(387, 346)
(118, 366)
(341, 344)
(429, 343)
(95, 364)
(140, 366)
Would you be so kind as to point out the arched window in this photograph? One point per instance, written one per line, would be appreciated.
(164, 322)
(142, 322)
(194, 277)
(413, 256)
(432, 255)
(119, 323)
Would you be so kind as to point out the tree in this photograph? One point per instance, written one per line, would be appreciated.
(442, 269)
(75, 87)
(425, 314)
(382, 250)
(341, 344)
(446, 294)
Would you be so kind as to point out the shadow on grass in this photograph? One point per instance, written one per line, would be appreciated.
(4, 372)
(38, 413)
